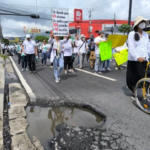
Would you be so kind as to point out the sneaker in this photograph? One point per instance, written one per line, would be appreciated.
(59, 78)
(31, 72)
(133, 97)
(65, 72)
(110, 59)
(57, 67)
(72, 72)
(34, 72)
(26, 69)
(103, 69)
(120, 68)
(108, 69)
(22, 70)
(116, 68)
(100, 72)
(57, 81)
(51, 67)
(95, 72)
(69, 71)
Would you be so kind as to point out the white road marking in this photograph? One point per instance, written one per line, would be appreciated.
(124, 65)
(23, 81)
(111, 79)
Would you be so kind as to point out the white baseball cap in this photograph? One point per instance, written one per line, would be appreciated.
(28, 36)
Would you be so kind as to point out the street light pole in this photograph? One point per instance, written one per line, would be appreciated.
(0, 36)
(130, 11)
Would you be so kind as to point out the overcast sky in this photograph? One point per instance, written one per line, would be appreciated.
(102, 9)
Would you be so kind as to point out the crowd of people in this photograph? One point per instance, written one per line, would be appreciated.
(62, 53)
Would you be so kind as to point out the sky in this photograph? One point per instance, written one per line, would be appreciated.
(12, 26)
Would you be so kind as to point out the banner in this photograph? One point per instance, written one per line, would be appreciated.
(60, 22)
(121, 57)
(77, 15)
(105, 49)
(117, 40)
(31, 30)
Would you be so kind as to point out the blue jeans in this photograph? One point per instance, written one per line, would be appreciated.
(58, 62)
(98, 63)
(108, 61)
(44, 57)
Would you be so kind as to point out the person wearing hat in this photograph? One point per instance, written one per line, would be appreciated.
(98, 62)
(29, 49)
(82, 50)
(139, 50)
(57, 55)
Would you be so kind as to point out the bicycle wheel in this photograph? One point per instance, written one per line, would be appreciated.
(142, 94)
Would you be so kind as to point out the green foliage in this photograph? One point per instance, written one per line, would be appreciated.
(3, 56)
(6, 41)
(41, 38)
(124, 28)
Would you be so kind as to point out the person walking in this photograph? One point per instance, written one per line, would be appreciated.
(29, 48)
(76, 48)
(3, 48)
(92, 53)
(57, 55)
(67, 49)
(139, 52)
(45, 49)
(18, 51)
(82, 50)
(24, 61)
(98, 62)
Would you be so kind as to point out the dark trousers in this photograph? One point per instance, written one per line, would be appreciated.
(44, 58)
(68, 61)
(19, 58)
(31, 61)
(3, 51)
(24, 62)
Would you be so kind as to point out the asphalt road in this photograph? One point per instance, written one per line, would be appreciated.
(112, 98)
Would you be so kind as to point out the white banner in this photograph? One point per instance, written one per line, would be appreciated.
(60, 22)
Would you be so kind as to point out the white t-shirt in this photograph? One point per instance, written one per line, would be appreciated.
(45, 48)
(82, 46)
(76, 49)
(29, 46)
(98, 39)
(68, 48)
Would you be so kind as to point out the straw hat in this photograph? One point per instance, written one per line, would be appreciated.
(140, 19)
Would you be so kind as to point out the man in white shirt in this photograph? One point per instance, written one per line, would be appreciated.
(98, 62)
(29, 48)
(82, 50)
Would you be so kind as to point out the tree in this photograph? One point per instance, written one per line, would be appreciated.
(124, 28)
(6, 41)
(41, 38)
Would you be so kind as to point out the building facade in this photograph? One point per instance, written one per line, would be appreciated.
(96, 25)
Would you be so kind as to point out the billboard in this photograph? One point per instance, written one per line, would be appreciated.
(78, 15)
(31, 30)
(60, 22)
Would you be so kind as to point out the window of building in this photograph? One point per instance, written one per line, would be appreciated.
(73, 31)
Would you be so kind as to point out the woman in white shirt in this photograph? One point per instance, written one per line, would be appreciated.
(67, 48)
(139, 50)
(57, 55)
(45, 49)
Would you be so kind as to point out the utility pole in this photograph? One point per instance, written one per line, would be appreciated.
(114, 23)
(130, 11)
(90, 22)
(0, 36)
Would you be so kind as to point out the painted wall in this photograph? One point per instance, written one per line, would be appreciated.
(97, 25)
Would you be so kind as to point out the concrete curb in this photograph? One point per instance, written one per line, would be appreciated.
(2, 85)
(23, 81)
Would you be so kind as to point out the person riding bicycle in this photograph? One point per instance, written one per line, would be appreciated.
(139, 50)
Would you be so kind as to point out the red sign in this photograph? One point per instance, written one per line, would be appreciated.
(77, 26)
(77, 15)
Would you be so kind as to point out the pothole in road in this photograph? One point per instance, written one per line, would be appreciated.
(43, 121)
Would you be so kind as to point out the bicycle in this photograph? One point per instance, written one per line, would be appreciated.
(142, 92)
